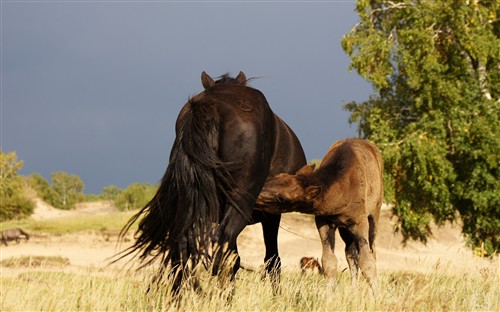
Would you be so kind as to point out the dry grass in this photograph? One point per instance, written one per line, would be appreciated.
(411, 280)
(35, 261)
(112, 222)
(90, 289)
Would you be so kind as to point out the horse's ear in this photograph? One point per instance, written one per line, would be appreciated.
(312, 191)
(206, 80)
(241, 78)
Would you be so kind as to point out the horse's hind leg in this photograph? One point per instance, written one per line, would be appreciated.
(270, 227)
(326, 231)
(179, 272)
(226, 253)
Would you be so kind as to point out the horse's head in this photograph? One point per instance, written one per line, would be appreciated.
(289, 192)
(208, 81)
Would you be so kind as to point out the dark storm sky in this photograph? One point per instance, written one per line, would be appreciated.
(93, 88)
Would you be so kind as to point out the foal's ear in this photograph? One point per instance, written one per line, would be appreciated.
(312, 191)
(241, 78)
(307, 169)
(206, 80)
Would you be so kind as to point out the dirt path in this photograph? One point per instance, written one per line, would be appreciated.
(297, 238)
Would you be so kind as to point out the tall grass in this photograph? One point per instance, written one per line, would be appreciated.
(98, 290)
(53, 285)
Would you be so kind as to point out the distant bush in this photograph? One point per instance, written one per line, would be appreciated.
(64, 192)
(13, 204)
(136, 195)
(110, 192)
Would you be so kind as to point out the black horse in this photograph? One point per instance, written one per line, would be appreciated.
(228, 142)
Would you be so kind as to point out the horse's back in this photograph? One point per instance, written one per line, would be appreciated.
(250, 131)
(246, 135)
(288, 155)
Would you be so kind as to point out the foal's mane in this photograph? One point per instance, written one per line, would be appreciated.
(334, 168)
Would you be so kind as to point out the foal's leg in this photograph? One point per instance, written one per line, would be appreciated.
(366, 257)
(351, 254)
(270, 227)
(326, 231)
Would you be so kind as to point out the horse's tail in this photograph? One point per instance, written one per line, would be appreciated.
(24, 233)
(373, 221)
(372, 232)
(177, 223)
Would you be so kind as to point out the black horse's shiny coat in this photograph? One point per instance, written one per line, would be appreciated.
(228, 142)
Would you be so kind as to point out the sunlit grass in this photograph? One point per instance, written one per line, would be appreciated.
(65, 225)
(35, 261)
(91, 290)
(50, 284)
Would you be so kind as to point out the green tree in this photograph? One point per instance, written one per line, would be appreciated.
(13, 202)
(436, 68)
(136, 195)
(42, 187)
(110, 192)
(39, 183)
(68, 190)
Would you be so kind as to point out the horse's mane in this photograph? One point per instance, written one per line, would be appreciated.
(227, 79)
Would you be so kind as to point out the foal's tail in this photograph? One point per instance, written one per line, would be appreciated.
(177, 222)
(372, 232)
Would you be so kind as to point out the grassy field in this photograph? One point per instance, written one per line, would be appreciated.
(98, 223)
(97, 290)
(53, 284)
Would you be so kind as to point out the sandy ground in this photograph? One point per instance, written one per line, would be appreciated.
(297, 238)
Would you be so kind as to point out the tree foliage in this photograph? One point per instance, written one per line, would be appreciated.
(69, 189)
(64, 192)
(42, 187)
(136, 195)
(13, 202)
(110, 192)
(436, 68)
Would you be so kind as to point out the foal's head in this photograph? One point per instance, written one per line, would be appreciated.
(288, 192)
